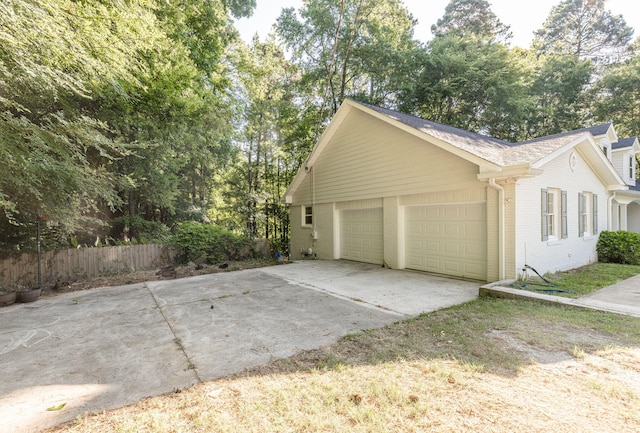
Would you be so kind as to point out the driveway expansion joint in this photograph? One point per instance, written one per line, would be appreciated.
(176, 339)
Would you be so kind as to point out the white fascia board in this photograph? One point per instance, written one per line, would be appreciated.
(635, 147)
(553, 155)
(611, 134)
(511, 171)
(591, 152)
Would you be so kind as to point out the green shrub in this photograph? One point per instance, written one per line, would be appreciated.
(619, 247)
(208, 243)
(138, 228)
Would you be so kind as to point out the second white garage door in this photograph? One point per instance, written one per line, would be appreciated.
(447, 239)
(361, 236)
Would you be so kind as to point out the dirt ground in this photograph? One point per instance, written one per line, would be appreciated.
(166, 273)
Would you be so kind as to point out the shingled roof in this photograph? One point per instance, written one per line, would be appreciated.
(624, 142)
(491, 149)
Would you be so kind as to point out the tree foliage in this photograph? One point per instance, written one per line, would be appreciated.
(111, 108)
(351, 48)
(618, 96)
(583, 28)
(560, 89)
(471, 18)
(148, 113)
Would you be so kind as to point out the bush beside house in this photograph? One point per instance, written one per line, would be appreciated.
(619, 247)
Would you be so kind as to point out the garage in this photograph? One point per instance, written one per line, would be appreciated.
(361, 237)
(447, 239)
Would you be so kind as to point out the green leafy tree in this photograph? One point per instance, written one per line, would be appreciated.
(54, 152)
(471, 18)
(249, 199)
(351, 48)
(583, 28)
(473, 85)
(618, 95)
(560, 89)
(109, 109)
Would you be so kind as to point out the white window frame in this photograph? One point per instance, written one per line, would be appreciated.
(632, 167)
(307, 216)
(587, 214)
(554, 214)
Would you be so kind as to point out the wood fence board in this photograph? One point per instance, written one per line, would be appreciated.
(73, 264)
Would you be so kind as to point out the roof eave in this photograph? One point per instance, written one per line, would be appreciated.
(590, 150)
(511, 171)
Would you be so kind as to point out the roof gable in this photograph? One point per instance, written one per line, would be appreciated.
(627, 143)
(490, 154)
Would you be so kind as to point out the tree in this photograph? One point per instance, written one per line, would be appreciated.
(618, 96)
(560, 89)
(107, 110)
(474, 18)
(250, 192)
(339, 46)
(473, 85)
(54, 154)
(583, 28)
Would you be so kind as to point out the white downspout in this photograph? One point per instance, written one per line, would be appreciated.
(501, 225)
(610, 211)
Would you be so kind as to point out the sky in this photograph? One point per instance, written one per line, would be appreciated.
(524, 17)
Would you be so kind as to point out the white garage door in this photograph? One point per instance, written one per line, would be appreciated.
(447, 239)
(361, 235)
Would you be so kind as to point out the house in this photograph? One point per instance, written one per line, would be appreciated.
(392, 189)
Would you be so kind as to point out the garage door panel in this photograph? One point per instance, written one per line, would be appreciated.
(447, 239)
(361, 235)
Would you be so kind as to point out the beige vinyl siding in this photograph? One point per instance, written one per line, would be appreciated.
(510, 221)
(301, 235)
(365, 160)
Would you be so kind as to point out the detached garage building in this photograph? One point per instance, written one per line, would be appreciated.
(391, 189)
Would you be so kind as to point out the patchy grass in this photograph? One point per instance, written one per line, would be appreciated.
(489, 365)
(581, 281)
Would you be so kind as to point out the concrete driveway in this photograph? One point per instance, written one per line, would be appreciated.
(109, 347)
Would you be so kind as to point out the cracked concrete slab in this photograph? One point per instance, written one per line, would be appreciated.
(109, 347)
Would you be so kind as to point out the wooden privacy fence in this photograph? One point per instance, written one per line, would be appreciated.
(72, 264)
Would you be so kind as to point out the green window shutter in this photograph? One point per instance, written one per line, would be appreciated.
(595, 214)
(544, 203)
(563, 210)
(580, 214)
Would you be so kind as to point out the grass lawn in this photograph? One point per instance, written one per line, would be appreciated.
(491, 365)
(581, 281)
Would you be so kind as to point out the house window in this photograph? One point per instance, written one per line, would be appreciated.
(551, 214)
(631, 167)
(307, 216)
(605, 149)
(587, 214)
(554, 214)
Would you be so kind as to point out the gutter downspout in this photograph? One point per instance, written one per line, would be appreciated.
(610, 211)
(501, 225)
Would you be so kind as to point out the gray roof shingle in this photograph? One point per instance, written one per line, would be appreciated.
(491, 149)
(624, 142)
